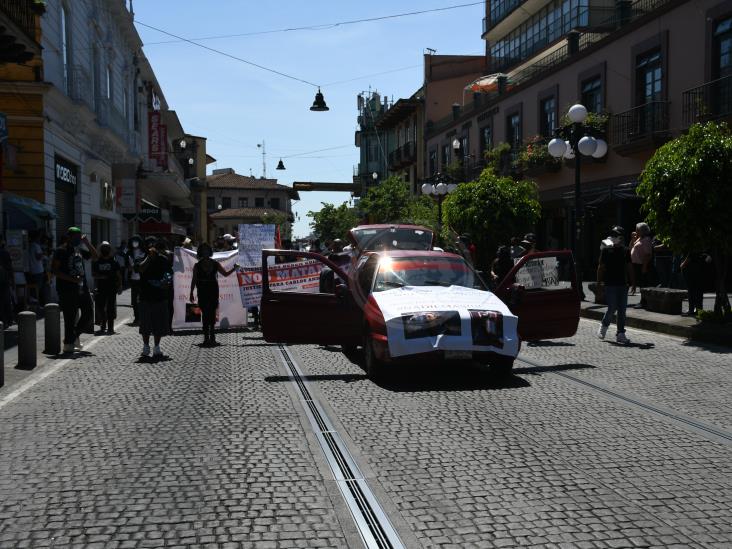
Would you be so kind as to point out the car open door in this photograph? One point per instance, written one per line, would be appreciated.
(303, 314)
(541, 290)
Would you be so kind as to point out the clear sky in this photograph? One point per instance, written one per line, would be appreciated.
(237, 106)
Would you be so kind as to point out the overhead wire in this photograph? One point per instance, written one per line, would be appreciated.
(327, 26)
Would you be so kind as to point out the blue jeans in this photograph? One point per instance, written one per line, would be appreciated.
(617, 300)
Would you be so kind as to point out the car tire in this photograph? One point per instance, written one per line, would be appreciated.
(501, 366)
(348, 349)
(373, 366)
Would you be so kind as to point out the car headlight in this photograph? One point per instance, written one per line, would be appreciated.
(487, 328)
(431, 324)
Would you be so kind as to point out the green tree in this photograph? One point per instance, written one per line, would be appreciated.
(491, 210)
(687, 192)
(279, 219)
(332, 222)
(391, 202)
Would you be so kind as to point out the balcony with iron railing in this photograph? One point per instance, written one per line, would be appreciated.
(640, 128)
(709, 101)
(22, 14)
(536, 68)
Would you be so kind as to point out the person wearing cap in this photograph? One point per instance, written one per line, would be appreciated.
(615, 273)
(529, 244)
(72, 288)
(108, 279)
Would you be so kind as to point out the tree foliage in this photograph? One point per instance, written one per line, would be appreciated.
(332, 222)
(491, 210)
(391, 202)
(687, 192)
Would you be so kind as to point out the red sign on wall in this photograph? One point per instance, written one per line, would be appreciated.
(153, 135)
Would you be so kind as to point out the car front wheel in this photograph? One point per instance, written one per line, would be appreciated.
(374, 367)
(501, 365)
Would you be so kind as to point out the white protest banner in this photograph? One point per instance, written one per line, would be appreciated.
(299, 276)
(542, 272)
(187, 316)
(409, 333)
(252, 240)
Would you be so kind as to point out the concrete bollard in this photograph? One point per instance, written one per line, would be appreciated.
(2, 354)
(27, 344)
(52, 328)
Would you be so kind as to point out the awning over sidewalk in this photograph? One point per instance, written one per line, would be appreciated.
(26, 213)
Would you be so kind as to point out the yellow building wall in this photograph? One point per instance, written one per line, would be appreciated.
(25, 132)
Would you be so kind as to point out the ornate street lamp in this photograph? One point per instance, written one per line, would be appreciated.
(437, 188)
(572, 142)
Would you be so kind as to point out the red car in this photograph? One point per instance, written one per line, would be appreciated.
(407, 304)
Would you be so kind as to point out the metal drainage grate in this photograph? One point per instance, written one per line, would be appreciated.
(371, 520)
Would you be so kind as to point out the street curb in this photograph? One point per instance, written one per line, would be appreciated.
(707, 333)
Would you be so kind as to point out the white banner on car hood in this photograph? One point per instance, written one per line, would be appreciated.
(458, 329)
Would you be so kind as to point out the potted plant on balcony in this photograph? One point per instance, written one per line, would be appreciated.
(499, 158)
(533, 158)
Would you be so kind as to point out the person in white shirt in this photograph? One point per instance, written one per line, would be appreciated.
(37, 269)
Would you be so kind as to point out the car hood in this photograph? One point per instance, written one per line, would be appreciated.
(411, 299)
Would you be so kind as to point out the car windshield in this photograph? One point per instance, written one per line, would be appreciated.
(425, 271)
(393, 238)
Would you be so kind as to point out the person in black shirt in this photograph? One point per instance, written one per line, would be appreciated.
(156, 278)
(71, 286)
(502, 264)
(108, 278)
(615, 271)
(205, 272)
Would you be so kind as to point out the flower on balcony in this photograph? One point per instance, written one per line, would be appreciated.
(534, 157)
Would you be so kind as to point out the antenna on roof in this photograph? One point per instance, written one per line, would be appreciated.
(430, 51)
(264, 159)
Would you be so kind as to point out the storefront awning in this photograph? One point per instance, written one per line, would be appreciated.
(153, 227)
(23, 212)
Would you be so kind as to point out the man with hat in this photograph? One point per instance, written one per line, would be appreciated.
(615, 272)
(71, 286)
(529, 243)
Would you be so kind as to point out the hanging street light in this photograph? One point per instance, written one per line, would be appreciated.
(572, 142)
(280, 165)
(319, 103)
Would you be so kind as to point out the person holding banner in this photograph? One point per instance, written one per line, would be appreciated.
(205, 272)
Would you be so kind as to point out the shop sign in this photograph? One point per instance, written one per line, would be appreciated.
(157, 139)
(128, 203)
(66, 174)
(148, 211)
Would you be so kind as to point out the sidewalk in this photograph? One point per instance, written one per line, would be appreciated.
(14, 375)
(676, 325)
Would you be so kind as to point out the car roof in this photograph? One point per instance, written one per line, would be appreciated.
(393, 225)
(413, 253)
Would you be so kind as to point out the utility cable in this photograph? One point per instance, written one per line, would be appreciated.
(326, 26)
(236, 58)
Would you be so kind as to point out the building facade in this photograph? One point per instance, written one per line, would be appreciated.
(234, 199)
(92, 134)
(650, 67)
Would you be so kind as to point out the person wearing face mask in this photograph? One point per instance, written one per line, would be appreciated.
(205, 273)
(135, 254)
(615, 272)
(73, 291)
(108, 279)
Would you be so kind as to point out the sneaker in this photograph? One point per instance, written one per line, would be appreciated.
(157, 351)
(602, 331)
(78, 345)
(68, 348)
(622, 338)
(146, 350)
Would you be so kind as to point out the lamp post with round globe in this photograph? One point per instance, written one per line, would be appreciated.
(437, 188)
(572, 142)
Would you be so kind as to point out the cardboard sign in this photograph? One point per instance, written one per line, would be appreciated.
(461, 325)
(539, 273)
(185, 317)
(252, 240)
(299, 276)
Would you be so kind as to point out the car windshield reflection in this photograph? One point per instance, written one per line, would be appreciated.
(425, 271)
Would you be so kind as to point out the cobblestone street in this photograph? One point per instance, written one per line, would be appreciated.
(211, 448)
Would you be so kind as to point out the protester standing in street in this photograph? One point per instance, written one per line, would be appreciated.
(36, 268)
(502, 264)
(615, 271)
(108, 279)
(135, 254)
(7, 285)
(156, 279)
(516, 249)
(205, 273)
(72, 288)
(641, 255)
(692, 268)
